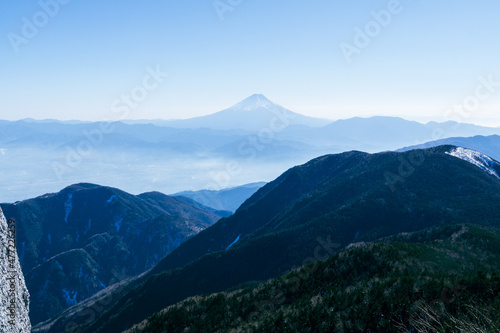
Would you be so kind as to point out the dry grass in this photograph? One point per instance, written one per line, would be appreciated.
(427, 318)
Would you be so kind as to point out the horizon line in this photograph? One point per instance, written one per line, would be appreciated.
(125, 121)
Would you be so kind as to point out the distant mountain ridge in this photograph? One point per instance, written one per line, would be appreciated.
(308, 213)
(164, 158)
(225, 199)
(375, 134)
(489, 145)
(86, 237)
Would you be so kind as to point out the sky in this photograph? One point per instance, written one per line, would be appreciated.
(171, 59)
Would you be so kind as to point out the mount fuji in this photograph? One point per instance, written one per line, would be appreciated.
(252, 114)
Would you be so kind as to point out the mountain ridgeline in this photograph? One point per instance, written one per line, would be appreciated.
(308, 213)
(403, 283)
(84, 238)
(226, 199)
(257, 134)
(489, 145)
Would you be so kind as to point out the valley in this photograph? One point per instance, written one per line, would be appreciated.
(234, 166)
(309, 213)
(86, 237)
(84, 246)
(243, 144)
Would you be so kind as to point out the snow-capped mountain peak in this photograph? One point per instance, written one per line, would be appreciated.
(254, 113)
(478, 159)
(256, 101)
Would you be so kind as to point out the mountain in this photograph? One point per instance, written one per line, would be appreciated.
(44, 156)
(108, 135)
(489, 145)
(227, 199)
(308, 213)
(14, 307)
(385, 286)
(375, 134)
(40, 157)
(84, 238)
(41, 121)
(254, 113)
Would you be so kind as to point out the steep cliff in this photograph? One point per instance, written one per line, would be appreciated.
(14, 296)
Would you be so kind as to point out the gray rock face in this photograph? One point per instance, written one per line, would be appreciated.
(14, 296)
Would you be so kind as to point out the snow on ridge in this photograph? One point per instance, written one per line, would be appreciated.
(478, 159)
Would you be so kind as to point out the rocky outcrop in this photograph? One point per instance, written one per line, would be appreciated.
(14, 296)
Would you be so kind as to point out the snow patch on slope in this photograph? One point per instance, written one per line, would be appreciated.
(478, 159)
(87, 228)
(59, 265)
(70, 297)
(118, 224)
(235, 241)
(68, 206)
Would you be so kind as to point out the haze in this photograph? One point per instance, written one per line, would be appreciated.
(80, 58)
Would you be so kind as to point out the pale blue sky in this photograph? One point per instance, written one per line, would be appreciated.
(89, 53)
